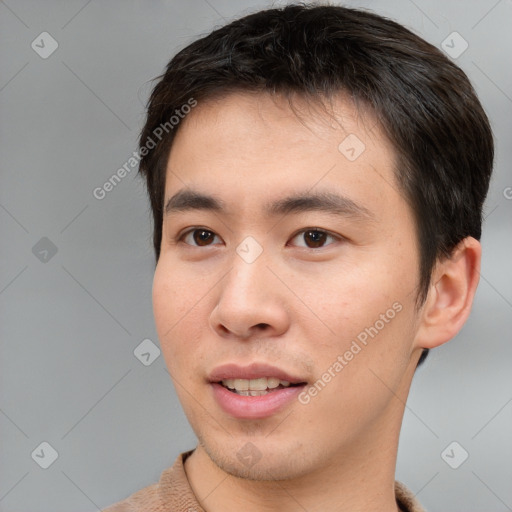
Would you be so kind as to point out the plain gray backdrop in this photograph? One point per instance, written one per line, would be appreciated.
(76, 271)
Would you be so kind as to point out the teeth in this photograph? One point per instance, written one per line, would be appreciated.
(248, 386)
(272, 382)
(240, 384)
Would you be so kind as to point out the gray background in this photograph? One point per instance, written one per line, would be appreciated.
(70, 322)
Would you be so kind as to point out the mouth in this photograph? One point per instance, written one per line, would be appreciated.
(255, 391)
(257, 387)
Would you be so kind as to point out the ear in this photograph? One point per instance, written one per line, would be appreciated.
(450, 296)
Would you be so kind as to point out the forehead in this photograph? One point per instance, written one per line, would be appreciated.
(248, 147)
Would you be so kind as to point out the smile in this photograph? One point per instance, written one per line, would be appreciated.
(255, 387)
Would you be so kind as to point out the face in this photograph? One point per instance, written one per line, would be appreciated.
(296, 258)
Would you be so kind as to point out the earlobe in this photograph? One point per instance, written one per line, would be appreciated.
(450, 297)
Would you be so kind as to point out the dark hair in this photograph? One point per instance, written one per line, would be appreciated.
(424, 102)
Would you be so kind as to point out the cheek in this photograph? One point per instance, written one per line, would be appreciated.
(369, 313)
(177, 312)
(364, 310)
(343, 301)
(359, 371)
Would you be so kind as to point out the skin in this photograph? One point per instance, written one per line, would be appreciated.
(297, 306)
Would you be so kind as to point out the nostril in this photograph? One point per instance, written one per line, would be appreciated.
(224, 329)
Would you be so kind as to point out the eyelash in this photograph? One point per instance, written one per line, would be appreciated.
(302, 231)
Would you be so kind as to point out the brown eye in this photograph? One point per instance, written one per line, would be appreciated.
(316, 238)
(313, 238)
(198, 237)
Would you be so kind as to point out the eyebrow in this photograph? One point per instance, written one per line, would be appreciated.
(323, 201)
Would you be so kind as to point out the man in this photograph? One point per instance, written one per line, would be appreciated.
(316, 176)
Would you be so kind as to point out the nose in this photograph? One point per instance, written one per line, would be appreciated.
(251, 302)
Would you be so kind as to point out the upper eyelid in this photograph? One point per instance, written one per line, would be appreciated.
(195, 228)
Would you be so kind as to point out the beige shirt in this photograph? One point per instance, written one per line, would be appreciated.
(174, 494)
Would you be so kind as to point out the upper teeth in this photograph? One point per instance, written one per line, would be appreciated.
(254, 384)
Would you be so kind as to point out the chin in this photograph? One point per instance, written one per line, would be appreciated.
(259, 459)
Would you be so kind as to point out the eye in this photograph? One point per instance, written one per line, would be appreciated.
(314, 238)
(310, 238)
(198, 237)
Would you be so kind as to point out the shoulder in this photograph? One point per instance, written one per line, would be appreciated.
(172, 492)
(148, 499)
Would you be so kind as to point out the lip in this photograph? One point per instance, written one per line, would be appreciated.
(254, 407)
(252, 371)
